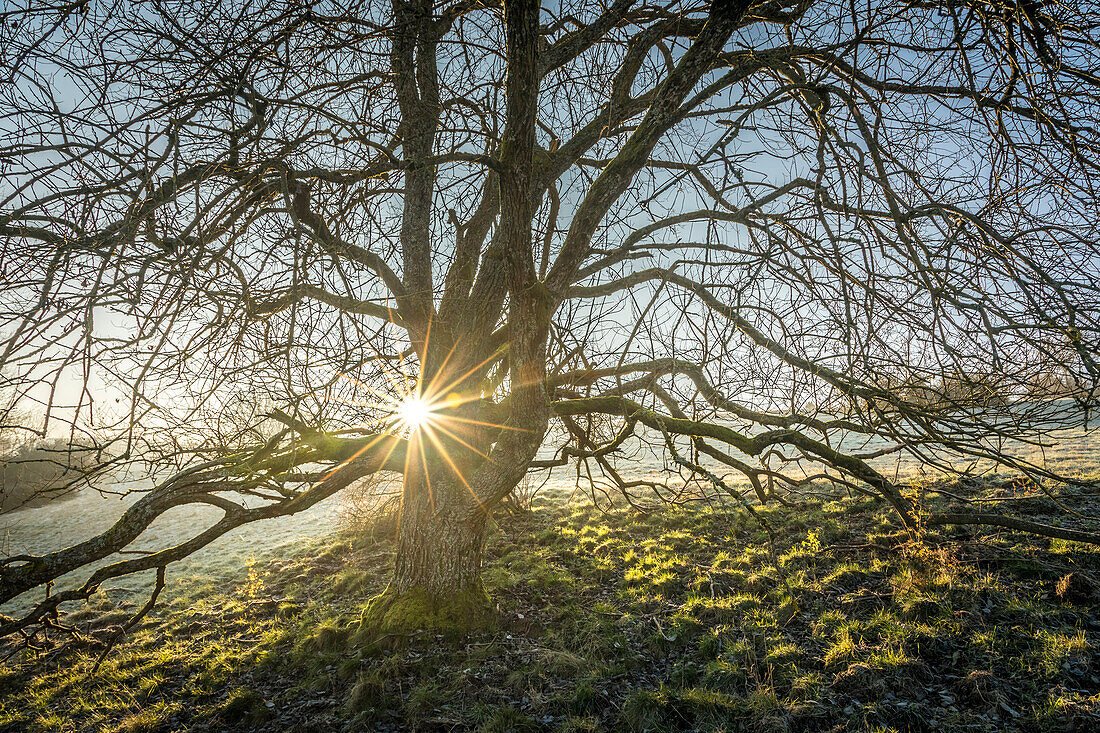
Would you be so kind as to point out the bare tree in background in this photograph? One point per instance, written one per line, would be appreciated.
(278, 246)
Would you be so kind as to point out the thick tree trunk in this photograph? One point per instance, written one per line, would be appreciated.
(436, 582)
(439, 553)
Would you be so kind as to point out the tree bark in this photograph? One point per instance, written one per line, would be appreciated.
(438, 552)
(436, 581)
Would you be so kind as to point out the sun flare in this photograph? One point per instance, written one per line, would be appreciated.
(414, 412)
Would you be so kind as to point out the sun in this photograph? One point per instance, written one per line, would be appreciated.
(414, 412)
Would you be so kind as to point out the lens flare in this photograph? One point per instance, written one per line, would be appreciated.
(414, 412)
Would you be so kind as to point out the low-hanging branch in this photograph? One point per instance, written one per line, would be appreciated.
(751, 446)
(352, 459)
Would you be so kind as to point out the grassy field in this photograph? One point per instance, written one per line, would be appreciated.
(686, 618)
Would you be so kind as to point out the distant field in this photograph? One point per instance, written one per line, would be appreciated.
(34, 476)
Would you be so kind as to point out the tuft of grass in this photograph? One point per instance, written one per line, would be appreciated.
(1055, 652)
(367, 693)
(155, 717)
(243, 706)
(644, 709)
(328, 636)
(508, 719)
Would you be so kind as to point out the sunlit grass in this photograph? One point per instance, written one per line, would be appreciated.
(613, 621)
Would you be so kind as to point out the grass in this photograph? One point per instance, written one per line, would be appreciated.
(682, 619)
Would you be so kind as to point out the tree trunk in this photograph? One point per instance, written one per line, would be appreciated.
(438, 553)
(436, 582)
(450, 485)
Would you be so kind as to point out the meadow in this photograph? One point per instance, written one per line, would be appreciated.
(692, 617)
(566, 275)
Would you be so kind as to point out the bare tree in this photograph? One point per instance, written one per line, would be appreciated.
(278, 246)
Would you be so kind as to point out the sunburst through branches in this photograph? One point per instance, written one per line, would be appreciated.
(432, 413)
(413, 413)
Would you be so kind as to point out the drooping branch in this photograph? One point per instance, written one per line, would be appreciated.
(662, 367)
(202, 484)
(750, 446)
(1021, 525)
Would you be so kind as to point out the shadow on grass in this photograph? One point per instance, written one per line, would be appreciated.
(680, 619)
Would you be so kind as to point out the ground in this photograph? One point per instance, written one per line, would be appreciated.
(684, 618)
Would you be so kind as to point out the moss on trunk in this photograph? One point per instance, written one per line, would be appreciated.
(436, 582)
(414, 609)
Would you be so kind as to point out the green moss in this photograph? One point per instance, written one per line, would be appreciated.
(391, 612)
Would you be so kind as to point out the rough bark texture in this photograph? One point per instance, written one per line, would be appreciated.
(439, 553)
(436, 582)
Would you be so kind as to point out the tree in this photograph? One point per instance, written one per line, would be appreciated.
(280, 246)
